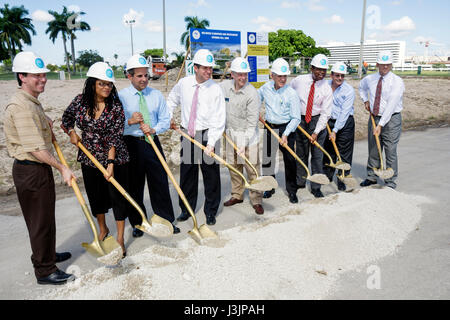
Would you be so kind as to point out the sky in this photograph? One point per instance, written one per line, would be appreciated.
(414, 21)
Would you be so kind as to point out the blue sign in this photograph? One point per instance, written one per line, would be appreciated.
(252, 76)
(218, 36)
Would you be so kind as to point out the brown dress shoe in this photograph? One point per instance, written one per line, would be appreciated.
(258, 209)
(232, 201)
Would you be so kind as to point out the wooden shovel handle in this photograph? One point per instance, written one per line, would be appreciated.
(315, 143)
(333, 142)
(377, 140)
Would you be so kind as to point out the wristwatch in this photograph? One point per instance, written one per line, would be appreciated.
(110, 161)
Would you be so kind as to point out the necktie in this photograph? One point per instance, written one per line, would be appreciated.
(310, 102)
(376, 104)
(144, 111)
(193, 115)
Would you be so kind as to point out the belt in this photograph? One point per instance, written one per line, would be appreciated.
(27, 162)
(137, 138)
(273, 125)
(391, 116)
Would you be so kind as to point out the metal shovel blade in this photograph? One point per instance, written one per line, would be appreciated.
(157, 227)
(319, 178)
(263, 183)
(384, 174)
(349, 182)
(340, 165)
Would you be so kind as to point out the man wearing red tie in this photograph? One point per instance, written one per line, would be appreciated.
(316, 97)
(382, 94)
(203, 114)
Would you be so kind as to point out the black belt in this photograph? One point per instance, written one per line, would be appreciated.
(275, 126)
(312, 117)
(138, 138)
(27, 162)
(334, 120)
(391, 116)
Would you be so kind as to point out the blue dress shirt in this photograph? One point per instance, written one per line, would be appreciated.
(343, 104)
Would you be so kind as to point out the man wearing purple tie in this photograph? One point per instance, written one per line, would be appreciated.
(203, 118)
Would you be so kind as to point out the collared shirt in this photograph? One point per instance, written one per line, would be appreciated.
(211, 110)
(26, 127)
(343, 104)
(156, 105)
(242, 113)
(282, 105)
(391, 94)
(323, 98)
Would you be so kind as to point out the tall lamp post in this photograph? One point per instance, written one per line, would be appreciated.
(130, 22)
(362, 41)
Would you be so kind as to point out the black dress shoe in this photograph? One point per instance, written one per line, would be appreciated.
(210, 220)
(175, 229)
(183, 216)
(268, 194)
(317, 193)
(137, 233)
(367, 183)
(57, 277)
(293, 198)
(63, 256)
(341, 186)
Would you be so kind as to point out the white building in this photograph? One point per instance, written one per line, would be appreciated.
(344, 52)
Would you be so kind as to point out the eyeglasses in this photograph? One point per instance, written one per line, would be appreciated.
(105, 84)
(339, 75)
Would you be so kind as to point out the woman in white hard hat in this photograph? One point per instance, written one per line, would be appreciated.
(99, 114)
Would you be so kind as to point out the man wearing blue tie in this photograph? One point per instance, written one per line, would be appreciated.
(145, 112)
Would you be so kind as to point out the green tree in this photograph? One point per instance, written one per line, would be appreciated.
(82, 26)
(192, 22)
(178, 61)
(15, 28)
(153, 53)
(59, 26)
(292, 43)
(87, 58)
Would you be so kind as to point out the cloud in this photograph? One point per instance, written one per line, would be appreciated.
(41, 16)
(74, 8)
(269, 25)
(290, 4)
(334, 19)
(133, 15)
(199, 3)
(401, 27)
(396, 3)
(313, 5)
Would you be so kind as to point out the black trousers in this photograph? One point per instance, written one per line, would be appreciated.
(304, 148)
(35, 189)
(102, 195)
(345, 140)
(192, 157)
(270, 147)
(144, 163)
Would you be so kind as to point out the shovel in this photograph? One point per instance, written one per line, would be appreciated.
(198, 234)
(338, 165)
(383, 174)
(317, 178)
(157, 227)
(257, 186)
(268, 180)
(349, 181)
(97, 248)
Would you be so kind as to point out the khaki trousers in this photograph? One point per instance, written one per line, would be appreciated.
(237, 184)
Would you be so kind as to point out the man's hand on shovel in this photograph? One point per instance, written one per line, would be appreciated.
(377, 130)
(146, 129)
(313, 138)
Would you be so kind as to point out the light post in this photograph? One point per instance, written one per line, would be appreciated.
(130, 22)
(361, 48)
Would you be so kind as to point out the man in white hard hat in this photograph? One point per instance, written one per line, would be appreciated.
(28, 133)
(341, 123)
(316, 98)
(283, 115)
(203, 114)
(382, 94)
(243, 104)
(145, 112)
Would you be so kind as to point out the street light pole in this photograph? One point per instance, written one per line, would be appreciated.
(130, 22)
(362, 41)
(164, 30)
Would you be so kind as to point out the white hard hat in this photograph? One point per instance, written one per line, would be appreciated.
(28, 62)
(320, 61)
(101, 71)
(384, 57)
(204, 57)
(339, 67)
(137, 61)
(240, 65)
(280, 67)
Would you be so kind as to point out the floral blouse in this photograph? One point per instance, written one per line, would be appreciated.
(98, 135)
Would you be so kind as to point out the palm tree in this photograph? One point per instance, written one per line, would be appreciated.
(179, 57)
(192, 22)
(15, 28)
(57, 26)
(82, 26)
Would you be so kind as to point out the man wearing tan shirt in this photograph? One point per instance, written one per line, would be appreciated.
(243, 104)
(28, 135)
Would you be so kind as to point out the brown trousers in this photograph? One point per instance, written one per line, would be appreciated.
(36, 192)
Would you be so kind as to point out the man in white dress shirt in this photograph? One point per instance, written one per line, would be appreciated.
(316, 98)
(203, 118)
(382, 94)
